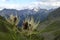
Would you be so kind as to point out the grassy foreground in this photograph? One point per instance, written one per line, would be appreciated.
(9, 30)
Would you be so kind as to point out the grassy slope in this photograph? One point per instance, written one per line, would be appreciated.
(3, 29)
(52, 31)
(52, 27)
(4, 24)
(5, 35)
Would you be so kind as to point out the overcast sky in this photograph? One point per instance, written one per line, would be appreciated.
(21, 4)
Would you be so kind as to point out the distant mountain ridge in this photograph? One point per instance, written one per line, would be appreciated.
(54, 14)
(24, 12)
(40, 14)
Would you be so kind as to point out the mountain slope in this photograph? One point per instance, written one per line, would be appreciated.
(51, 26)
(54, 14)
(4, 24)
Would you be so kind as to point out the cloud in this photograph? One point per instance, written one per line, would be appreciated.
(44, 5)
(47, 5)
(49, 0)
(10, 6)
(3, 0)
(13, 6)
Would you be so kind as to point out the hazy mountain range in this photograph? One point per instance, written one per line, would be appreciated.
(37, 13)
(42, 13)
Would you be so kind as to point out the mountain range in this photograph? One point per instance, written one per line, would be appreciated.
(38, 14)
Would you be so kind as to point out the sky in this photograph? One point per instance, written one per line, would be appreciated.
(21, 4)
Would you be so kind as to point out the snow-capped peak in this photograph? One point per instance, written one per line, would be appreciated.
(36, 9)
